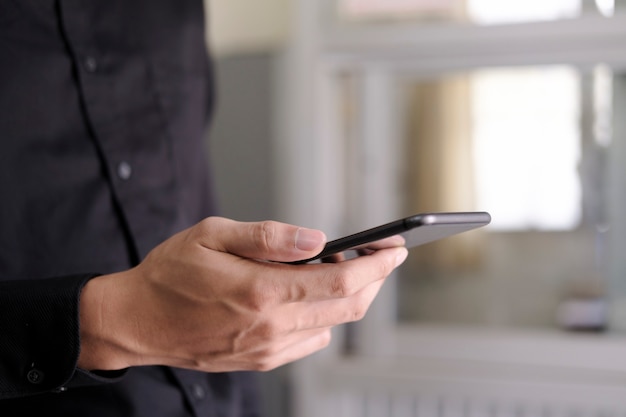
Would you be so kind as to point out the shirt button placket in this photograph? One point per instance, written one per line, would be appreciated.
(197, 392)
(90, 64)
(35, 376)
(124, 170)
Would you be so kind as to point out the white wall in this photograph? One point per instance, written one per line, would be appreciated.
(244, 26)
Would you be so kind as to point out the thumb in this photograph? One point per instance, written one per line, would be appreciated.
(266, 240)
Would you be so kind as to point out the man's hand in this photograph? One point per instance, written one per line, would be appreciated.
(215, 298)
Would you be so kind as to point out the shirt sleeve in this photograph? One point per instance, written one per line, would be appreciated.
(40, 337)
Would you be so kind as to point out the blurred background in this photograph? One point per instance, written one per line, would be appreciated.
(342, 114)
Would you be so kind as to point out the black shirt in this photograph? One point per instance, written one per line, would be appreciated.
(103, 110)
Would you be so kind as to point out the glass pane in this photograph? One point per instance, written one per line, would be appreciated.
(484, 12)
(494, 11)
(528, 145)
(404, 9)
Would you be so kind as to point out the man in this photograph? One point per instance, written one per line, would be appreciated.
(119, 295)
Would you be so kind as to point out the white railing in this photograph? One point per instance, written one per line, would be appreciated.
(518, 382)
(459, 372)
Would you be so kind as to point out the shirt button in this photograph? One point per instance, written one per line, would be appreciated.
(34, 376)
(90, 64)
(198, 392)
(124, 170)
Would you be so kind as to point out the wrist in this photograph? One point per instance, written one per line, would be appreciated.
(103, 345)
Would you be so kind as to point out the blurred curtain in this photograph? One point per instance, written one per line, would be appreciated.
(441, 168)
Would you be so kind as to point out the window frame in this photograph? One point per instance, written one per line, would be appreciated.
(325, 47)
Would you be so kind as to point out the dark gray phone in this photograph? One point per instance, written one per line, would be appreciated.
(416, 230)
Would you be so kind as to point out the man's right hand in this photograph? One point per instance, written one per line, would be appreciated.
(217, 298)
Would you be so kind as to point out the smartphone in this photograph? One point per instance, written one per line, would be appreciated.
(416, 230)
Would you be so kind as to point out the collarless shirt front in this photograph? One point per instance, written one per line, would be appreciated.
(103, 110)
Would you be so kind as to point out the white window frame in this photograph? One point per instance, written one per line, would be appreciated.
(311, 174)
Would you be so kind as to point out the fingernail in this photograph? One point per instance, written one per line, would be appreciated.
(309, 239)
(401, 256)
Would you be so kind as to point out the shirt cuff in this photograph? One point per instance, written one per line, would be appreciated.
(40, 327)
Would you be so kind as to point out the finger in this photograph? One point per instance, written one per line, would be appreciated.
(367, 248)
(365, 251)
(331, 281)
(389, 242)
(333, 259)
(268, 285)
(330, 313)
(294, 347)
(267, 240)
(268, 356)
(301, 317)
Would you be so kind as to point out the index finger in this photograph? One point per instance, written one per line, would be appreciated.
(388, 242)
(326, 281)
(366, 249)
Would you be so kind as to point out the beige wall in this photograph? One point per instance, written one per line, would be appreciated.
(244, 26)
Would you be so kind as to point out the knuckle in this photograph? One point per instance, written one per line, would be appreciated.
(358, 307)
(260, 296)
(268, 330)
(257, 302)
(204, 230)
(206, 225)
(325, 338)
(341, 284)
(268, 354)
(265, 365)
(264, 235)
(297, 291)
(266, 359)
(382, 269)
(358, 313)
